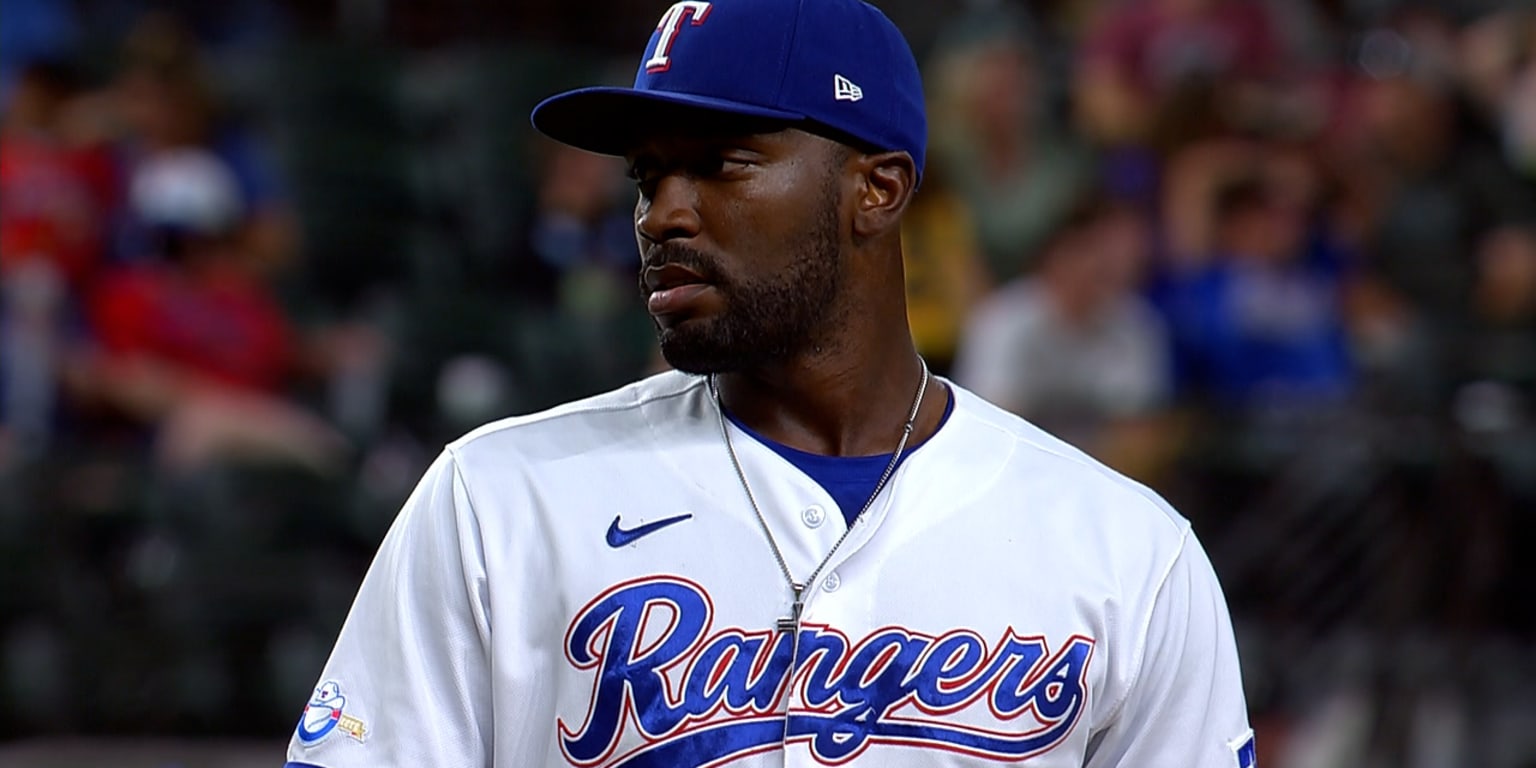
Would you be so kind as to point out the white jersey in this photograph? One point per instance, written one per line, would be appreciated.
(590, 586)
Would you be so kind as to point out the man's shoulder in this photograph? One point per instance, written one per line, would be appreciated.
(1083, 482)
(588, 423)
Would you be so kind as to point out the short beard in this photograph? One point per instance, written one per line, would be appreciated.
(764, 321)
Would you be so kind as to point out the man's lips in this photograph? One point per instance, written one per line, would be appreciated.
(671, 288)
(669, 301)
(669, 276)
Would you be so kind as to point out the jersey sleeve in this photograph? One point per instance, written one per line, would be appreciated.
(407, 684)
(1185, 706)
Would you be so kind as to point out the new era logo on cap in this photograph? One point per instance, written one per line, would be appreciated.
(843, 89)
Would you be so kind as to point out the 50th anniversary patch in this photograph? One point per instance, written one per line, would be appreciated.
(325, 713)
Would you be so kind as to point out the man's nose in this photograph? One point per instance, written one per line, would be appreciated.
(670, 212)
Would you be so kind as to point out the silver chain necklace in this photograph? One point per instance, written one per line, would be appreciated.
(791, 623)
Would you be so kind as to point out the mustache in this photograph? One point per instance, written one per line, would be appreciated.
(681, 255)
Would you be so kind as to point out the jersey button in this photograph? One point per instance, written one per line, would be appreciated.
(814, 516)
(832, 582)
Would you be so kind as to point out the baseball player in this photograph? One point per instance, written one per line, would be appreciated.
(799, 547)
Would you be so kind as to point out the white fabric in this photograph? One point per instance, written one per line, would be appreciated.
(462, 648)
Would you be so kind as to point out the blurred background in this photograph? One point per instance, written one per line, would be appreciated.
(261, 259)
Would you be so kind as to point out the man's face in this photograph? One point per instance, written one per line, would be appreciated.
(741, 245)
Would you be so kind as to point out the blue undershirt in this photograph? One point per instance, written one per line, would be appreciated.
(849, 480)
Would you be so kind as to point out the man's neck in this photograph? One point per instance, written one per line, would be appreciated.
(852, 404)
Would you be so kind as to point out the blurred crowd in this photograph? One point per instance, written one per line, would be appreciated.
(260, 259)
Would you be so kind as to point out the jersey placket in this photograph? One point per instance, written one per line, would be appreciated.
(806, 524)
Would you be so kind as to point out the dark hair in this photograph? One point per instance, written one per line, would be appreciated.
(1240, 196)
(56, 76)
(1090, 208)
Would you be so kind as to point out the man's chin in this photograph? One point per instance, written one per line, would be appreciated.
(694, 361)
(689, 351)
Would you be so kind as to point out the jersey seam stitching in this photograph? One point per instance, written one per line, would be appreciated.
(1146, 624)
(474, 519)
(1099, 470)
(1119, 481)
(554, 414)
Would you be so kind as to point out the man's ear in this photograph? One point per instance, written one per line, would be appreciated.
(886, 183)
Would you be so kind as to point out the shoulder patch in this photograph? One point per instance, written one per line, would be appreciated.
(1244, 754)
(326, 712)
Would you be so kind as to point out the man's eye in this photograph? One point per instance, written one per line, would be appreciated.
(727, 162)
(705, 166)
(644, 180)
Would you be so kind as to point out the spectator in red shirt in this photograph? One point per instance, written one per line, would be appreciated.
(190, 340)
(195, 307)
(56, 195)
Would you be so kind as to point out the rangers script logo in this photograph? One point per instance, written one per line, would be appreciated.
(696, 698)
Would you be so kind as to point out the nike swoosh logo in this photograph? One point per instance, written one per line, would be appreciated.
(618, 537)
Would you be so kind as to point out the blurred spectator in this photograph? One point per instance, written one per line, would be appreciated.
(56, 197)
(33, 30)
(582, 326)
(1421, 181)
(1503, 342)
(163, 102)
(58, 192)
(1255, 308)
(1495, 408)
(945, 273)
(1073, 347)
(580, 250)
(1499, 69)
(190, 341)
(1161, 72)
(1001, 147)
(1495, 402)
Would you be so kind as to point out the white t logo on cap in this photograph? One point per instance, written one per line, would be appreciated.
(671, 23)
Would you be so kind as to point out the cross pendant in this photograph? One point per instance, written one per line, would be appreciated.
(791, 623)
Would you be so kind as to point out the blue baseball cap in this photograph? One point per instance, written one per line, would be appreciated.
(821, 64)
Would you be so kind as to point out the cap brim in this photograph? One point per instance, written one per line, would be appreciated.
(611, 121)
